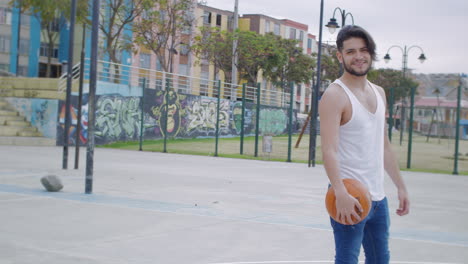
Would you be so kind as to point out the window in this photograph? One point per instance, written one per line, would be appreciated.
(184, 49)
(4, 67)
(4, 43)
(277, 29)
(5, 16)
(55, 25)
(309, 43)
(301, 35)
(44, 50)
(24, 47)
(218, 20)
(145, 60)
(292, 33)
(24, 20)
(267, 26)
(206, 17)
(183, 69)
(158, 65)
(23, 70)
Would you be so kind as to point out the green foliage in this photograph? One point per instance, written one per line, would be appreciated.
(279, 59)
(389, 78)
(330, 67)
(215, 46)
(288, 63)
(161, 26)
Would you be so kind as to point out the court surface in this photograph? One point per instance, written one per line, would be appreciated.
(167, 208)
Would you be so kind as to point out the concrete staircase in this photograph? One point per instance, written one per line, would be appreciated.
(16, 130)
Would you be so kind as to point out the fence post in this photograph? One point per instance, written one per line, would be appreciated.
(166, 114)
(242, 121)
(257, 121)
(217, 117)
(291, 101)
(142, 113)
(390, 113)
(457, 129)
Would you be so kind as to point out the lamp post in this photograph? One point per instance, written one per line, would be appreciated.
(421, 58)
(332, 25)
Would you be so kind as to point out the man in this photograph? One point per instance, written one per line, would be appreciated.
(355, 145)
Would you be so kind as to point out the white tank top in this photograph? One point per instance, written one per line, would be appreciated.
(361, 144)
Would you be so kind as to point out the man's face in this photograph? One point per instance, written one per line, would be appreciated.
(355, 57)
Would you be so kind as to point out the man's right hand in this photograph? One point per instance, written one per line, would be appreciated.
(346, 206)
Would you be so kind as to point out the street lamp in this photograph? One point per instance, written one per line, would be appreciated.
(421, 58)
(332, 25)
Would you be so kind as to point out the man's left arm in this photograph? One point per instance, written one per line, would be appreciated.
(391, 167)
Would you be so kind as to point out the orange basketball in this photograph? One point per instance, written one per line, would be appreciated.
(356, 189)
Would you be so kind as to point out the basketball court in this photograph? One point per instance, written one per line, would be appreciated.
(167, 208)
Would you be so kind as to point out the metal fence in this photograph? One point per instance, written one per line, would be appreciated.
(160, 111)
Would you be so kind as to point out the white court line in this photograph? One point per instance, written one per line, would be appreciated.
(326, 261)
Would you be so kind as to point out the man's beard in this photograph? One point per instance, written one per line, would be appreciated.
(355, 73)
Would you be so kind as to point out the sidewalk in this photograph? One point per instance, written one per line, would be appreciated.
(167, 208)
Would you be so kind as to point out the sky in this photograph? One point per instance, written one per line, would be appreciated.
(440, 28)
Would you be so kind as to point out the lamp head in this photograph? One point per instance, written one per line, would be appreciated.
(387, 58)
(332, 25)
(422, 58)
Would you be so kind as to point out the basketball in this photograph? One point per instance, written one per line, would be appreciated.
(356, 189)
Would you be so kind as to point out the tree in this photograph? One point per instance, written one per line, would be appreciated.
(52, 15)
(389, 78)
(115, 17)
(289, 64)
(161, 26)
(330, 67)
(215, 46)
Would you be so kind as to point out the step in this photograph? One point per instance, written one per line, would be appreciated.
(27, 141)
(14, 130)
(18, 123)
(8, 113)
(29, 134)
(3, 119)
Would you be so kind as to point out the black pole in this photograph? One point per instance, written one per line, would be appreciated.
(92, 95)
(390, 113)
(290, 123)
(142, 117)
(69, 85)
(313, 123)
(80, 100)
(457, 127)
(18, 39)
(257, 121)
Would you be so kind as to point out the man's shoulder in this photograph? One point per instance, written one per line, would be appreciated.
(335, 95)
(379, 88)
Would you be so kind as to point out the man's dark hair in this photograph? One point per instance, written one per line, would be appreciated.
(353, 31)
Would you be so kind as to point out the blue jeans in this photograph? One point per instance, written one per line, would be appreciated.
(372, 233)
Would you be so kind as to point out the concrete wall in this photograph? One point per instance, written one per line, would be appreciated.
(189, 116)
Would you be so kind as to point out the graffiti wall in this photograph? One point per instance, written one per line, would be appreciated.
(42, 113)
(118, 118)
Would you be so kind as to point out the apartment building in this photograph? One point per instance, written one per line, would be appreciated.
(287, 29)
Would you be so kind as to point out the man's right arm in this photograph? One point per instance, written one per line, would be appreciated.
(331, 107)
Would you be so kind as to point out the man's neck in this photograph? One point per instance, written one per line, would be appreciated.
(353, 81)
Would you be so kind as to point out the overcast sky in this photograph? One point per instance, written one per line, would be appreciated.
(440, 28)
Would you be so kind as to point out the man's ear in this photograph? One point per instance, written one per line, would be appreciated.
(339, 56)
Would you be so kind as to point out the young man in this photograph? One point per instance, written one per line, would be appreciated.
(355, 145)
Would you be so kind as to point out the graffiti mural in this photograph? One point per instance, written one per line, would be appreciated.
(83, 136)
(201, 116)
(273, 121)
(167, 105)
(236, 118)
(42, 113)
(117, 118)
